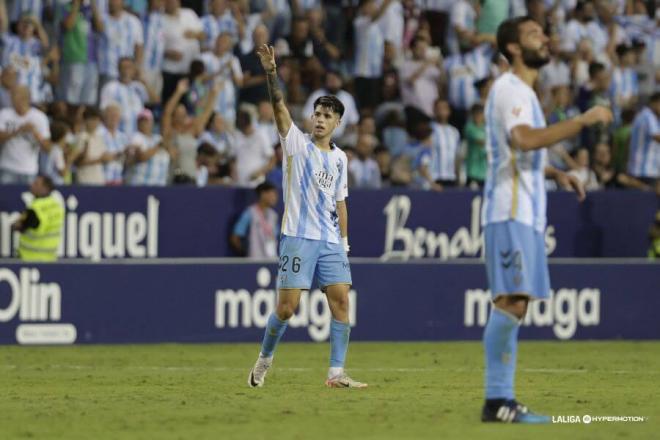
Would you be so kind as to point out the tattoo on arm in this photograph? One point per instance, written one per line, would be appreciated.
(276, 95)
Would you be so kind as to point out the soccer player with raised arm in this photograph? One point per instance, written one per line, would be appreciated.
(514, 210)
(314, 241)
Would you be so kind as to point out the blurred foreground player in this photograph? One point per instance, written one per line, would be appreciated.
(314, 241)
(514, 211)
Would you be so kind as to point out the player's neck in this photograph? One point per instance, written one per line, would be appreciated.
(323, 143)
(526, 74)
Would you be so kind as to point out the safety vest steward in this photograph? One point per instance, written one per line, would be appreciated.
(41, 243)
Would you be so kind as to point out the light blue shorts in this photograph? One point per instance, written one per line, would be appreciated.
(516, 262)
(302, 260)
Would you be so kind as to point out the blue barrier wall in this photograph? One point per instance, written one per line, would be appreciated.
(230, 302)
(191, 222)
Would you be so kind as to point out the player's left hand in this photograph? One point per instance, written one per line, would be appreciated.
(568, 181)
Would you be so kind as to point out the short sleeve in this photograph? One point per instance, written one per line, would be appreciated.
(243, 224)
(341, 192)
(515, 108)
(295, 141)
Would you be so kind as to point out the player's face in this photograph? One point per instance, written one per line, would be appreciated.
(534, 45)
(324, 121)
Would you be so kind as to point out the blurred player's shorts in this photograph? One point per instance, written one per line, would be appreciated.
(302, 260)
(516, 262)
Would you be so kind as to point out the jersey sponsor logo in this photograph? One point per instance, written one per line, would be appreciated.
(325, 181)
(564, 311)
(37, 305)
(236, 308)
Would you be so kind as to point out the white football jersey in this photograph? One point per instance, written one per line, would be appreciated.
(515, 181)
(313, 182)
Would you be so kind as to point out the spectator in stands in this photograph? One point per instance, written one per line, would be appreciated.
(253, 17)
(276, 175)
(325, 51)
(154, 47)
(121, 36)
(369, 52)
(299, 46)
(420, 77)
(583, 26)
(92, 151)
(218, 136)
(333, 86)
(608, 176)
(24, 52)
(41, 224)
(183, 130)
(224, 17)
(621, 141)
(8, 80)
(555, 73)
(463, 70)
(254, 154)
(624, 86)
(384, 160)
(462, 32)
(131, 95)
(445, 147)
(595, 92)
(21, 8)
(583, 172)
(224, 67)
(207, 166)
(115, 142)
(364, 168)
(149, 155)
(182, 33)
(254, 80)
(559, 155)
(24, 131)
(266, 122)
(257, 230)
(392, 25)
(491, 14)
(644, 161)
(474, 133)
(79, 70)
(55, 164)
(195, 97)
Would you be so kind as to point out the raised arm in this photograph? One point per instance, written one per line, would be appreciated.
(166, 123)
(282, 116)
(525, 138)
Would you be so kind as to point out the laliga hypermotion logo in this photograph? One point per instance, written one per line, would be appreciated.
(37, 305)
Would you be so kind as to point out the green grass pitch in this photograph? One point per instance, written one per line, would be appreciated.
(417, 391)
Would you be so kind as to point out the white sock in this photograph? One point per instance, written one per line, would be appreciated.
(335, 371)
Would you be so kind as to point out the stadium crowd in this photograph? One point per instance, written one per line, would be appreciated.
(158, 92)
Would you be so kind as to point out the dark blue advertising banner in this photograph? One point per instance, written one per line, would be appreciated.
(230, 302)
(178, 222)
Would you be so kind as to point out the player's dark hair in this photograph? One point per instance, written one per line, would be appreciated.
(58, 129)
(331, 102)
(595, 69)
(265, 186)
(509, 32)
